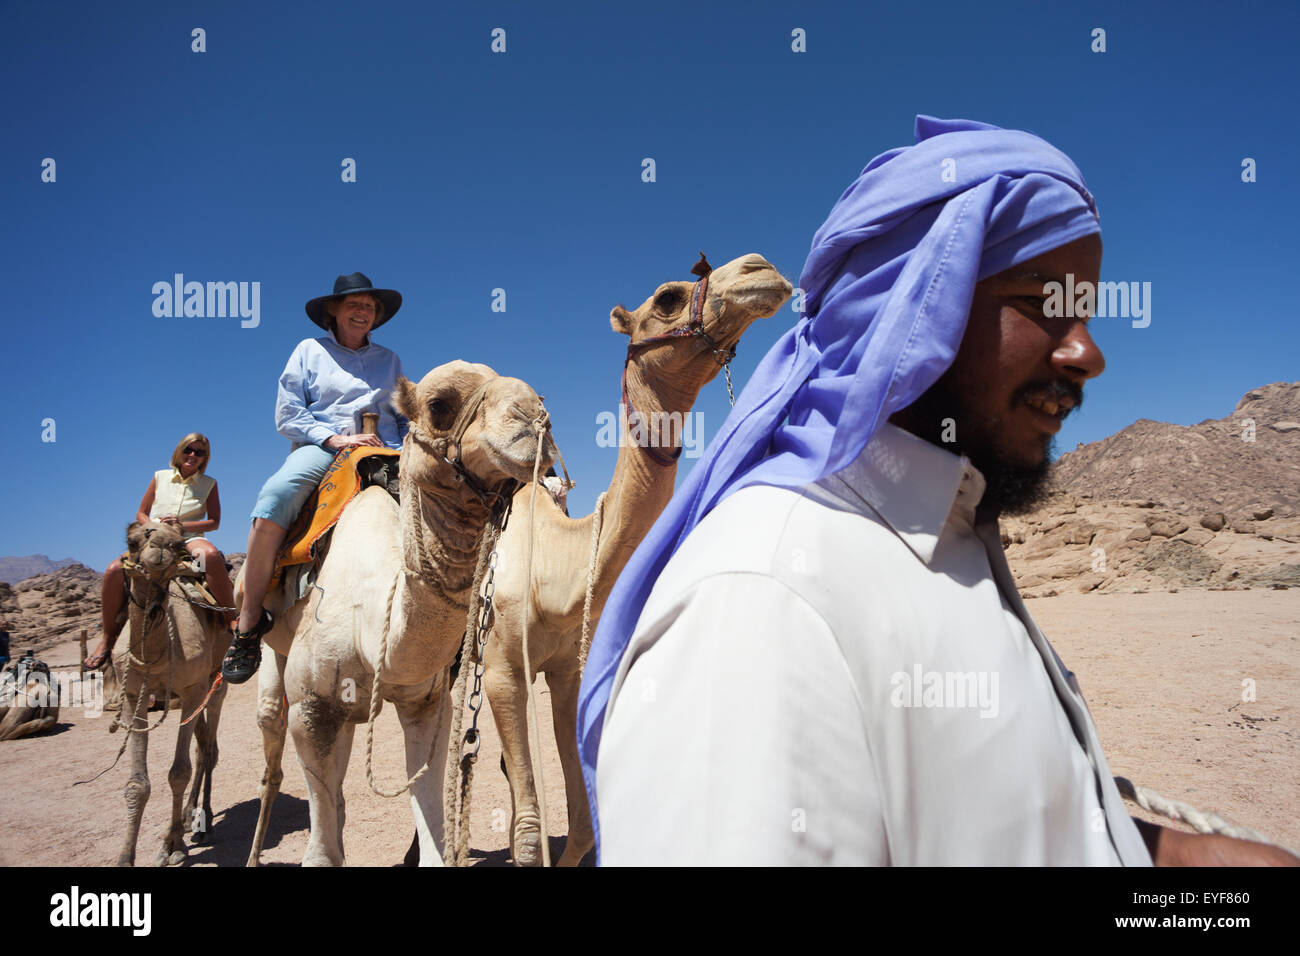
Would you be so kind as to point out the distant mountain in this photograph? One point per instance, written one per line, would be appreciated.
(1158, 505)
(1246, 462)
(13, 570)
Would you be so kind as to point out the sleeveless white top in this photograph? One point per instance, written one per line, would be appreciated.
(184, 498)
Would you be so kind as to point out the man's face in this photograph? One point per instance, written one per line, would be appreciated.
(1016, 376)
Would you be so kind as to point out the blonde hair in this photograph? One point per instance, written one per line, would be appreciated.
(179, 454)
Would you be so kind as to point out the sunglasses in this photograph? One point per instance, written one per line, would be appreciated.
(202, 453)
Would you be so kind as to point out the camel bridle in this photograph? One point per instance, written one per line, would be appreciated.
(497, 499)
(692, 329)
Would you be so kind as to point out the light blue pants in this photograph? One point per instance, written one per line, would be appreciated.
(285, 492)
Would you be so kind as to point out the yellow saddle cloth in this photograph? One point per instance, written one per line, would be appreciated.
(325, 506)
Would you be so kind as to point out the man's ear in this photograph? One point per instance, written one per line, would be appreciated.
(620, 320)
(404, 399)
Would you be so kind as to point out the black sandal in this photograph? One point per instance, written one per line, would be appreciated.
(245, 654)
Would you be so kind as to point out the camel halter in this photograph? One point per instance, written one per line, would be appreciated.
(694, 328)
(496, 499)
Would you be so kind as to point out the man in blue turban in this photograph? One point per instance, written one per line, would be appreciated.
(818, 654)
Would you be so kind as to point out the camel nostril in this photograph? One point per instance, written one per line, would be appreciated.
(754, 263)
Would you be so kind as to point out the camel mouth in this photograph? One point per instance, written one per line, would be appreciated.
(764, 296)
(517, 455)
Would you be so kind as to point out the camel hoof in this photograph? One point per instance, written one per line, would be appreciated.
(175, 858)
(528, 853)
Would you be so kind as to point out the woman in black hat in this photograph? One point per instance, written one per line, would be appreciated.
(325, 387)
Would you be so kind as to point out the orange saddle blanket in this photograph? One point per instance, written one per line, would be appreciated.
(326, 505)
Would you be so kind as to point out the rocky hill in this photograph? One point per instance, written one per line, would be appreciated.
(1165, 506)
(48, 608)
(41, 610)
(18, 569)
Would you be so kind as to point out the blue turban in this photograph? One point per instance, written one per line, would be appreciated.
(887, 291)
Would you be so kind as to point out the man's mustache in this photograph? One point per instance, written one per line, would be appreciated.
(1061, 391)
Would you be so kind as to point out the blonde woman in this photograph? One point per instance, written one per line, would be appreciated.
(182, 495)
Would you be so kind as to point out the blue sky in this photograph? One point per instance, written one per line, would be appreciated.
(522, 171)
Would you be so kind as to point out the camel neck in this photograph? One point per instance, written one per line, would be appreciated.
(441, 530)
(642, 484)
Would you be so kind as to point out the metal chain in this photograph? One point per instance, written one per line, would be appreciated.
(473, 738)
(726, 370)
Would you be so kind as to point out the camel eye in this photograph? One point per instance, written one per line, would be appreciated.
(441, 414)
(669, 301)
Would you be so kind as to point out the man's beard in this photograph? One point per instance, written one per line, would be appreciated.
(1009, 488)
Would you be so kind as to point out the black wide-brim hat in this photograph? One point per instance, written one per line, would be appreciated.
(345, 286)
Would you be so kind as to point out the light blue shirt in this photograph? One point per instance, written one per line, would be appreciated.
(325, 387)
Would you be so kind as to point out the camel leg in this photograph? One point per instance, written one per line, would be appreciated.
(137, 784)
(201, 824)
(424, 726)
(173, 846)
(316, 730)
(509, 697)
(564, 714)
(197, 828)
(271, 720)
(342, 751)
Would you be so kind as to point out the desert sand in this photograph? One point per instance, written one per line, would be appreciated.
(1162, 673)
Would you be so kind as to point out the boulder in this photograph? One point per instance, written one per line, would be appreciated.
(1214, 521)
(1166, 526)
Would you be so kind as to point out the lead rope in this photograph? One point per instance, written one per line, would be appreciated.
(1149, 800)
(534, 737)
(459, 774)
(377, 703)
(141, 698)
(585, 645)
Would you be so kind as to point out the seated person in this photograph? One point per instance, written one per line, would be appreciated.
(185, 496)
(325, 387)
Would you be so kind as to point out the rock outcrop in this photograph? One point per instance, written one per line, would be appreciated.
(1214, 505)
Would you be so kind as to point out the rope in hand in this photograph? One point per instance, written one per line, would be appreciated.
(1201, 822)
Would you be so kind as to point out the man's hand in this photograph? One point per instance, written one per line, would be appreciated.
(171, 519)
(339, 442)
(1174, 848)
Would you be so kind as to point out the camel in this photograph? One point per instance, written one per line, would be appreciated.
(400, 575)
(29, 699)
(663, 375)
(170, 646)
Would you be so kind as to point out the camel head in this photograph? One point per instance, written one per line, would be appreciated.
(156, 549)
(740, 292)
(468, 413)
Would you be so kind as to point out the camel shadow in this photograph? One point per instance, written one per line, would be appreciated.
(232, 831)
(493, 858)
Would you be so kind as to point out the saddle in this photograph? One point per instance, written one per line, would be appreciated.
(353, 470)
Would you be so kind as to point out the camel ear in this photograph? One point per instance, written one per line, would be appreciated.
(135, 535)
(620, 320)
(404, 399)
